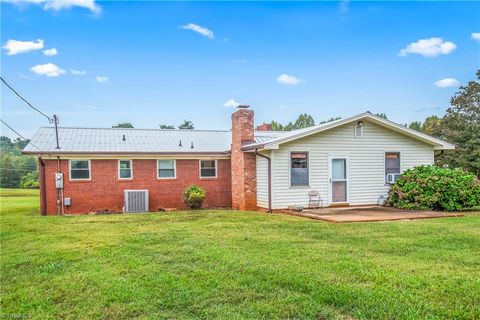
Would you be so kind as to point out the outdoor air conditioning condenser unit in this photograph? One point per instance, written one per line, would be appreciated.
(135, 201)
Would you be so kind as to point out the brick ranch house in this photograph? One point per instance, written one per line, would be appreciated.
(349, 161)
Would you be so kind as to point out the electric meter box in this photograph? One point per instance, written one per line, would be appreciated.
(59, 180)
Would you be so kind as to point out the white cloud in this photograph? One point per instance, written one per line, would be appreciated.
(231, 103)
(14, 47)
(239, 60)
(50, 52)
(289, 79)
(49, 70)
(447, 83)
(101, 79)
(78, 72)
(476, 36)
(199, 29)
(432, 47)
(67, 4)
(57, 5)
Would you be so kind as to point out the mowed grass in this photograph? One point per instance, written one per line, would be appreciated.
(234, 265)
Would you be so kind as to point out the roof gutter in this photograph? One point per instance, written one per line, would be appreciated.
(253, 147)
(99, 153)
(269, 160)
(43, 198)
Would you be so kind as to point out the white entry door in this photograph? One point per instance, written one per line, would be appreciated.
(338, 182)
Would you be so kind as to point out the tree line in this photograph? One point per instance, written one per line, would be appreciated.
(17, 170)
(185, 125)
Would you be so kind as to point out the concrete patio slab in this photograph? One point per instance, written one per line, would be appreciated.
(367, 214)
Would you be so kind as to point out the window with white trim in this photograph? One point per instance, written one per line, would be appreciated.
(299, 169)
(208, 168)
(392, 164)
(125, 169)
(80, 170)
(166, 169)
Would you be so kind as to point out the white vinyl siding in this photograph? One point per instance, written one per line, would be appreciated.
(262, 182)
(366, 165)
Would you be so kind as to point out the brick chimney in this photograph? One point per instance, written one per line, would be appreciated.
(243, 164)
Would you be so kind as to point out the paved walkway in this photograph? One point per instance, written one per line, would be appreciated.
(368, 214)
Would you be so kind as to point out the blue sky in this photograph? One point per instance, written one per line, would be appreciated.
(154, 63)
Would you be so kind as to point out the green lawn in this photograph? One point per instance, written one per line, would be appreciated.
(232, 265)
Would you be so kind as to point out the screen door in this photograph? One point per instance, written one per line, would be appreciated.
(338, 180)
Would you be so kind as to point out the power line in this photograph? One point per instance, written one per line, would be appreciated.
(28, 103)
(18, 134)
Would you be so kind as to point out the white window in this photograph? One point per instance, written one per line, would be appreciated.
(166, 169)
(299, 169)
(125, 170)
(392, 166)
(79, 169)
(208, 168)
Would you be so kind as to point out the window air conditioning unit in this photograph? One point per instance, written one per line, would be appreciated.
(135, 201)
(392, 177)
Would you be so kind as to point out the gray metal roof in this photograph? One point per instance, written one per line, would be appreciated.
(110, 140)
(264, 136)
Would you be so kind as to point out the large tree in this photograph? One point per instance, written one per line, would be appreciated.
(304, 120)
(461, 126)
(416, 125)
(432, 126)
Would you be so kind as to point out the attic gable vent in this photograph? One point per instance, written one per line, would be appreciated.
(359, 129)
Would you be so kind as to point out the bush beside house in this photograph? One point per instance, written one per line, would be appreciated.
(194, 196)
(434, 188)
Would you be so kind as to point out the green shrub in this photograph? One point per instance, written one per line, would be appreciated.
(194, 196)
(434, 188)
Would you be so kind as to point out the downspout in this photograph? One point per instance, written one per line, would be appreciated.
(269, 179)
(60, 205)
(43, 198)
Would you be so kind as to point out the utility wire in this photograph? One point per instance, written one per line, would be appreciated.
(28, 103)
(18, 134)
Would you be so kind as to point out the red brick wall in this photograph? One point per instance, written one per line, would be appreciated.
(244, 177)
(105, 191)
